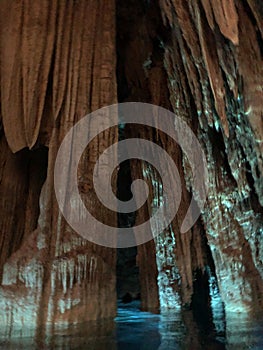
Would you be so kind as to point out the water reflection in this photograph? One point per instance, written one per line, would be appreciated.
(243, 332)
(88, 336)
(133, 329)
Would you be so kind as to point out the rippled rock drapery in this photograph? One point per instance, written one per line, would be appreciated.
(53, 72)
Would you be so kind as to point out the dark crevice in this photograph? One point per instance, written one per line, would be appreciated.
(127, 270)
(254, 200)
(138, 49)
(253, 20)
(205, 283)
(141, 38)
(30, 167)
(220, 153)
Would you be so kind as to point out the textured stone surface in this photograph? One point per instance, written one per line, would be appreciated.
(215, 80)
(174, 257)
(212, 54)
(53, 72)
(200, 59)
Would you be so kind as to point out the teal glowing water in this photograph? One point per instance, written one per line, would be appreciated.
(133, 329)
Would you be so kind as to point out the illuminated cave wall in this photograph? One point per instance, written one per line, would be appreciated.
(214, 68)
(53, 72)
(198, 51)
(200, 59)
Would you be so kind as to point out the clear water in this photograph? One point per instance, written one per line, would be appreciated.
(133, 329)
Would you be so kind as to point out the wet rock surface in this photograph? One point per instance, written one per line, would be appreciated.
(63, 59)
(53, 72)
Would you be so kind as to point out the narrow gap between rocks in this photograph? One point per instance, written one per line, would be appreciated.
(140, 42)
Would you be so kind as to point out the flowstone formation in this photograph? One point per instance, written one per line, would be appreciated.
(60, 60)
(191, 58)
(53, 72)
(216, 54)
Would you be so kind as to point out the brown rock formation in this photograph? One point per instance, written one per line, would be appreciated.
(53, 72)
(58, 59)
(220, 87)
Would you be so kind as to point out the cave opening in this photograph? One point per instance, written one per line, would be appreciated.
(134, 47)
(127, 271)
